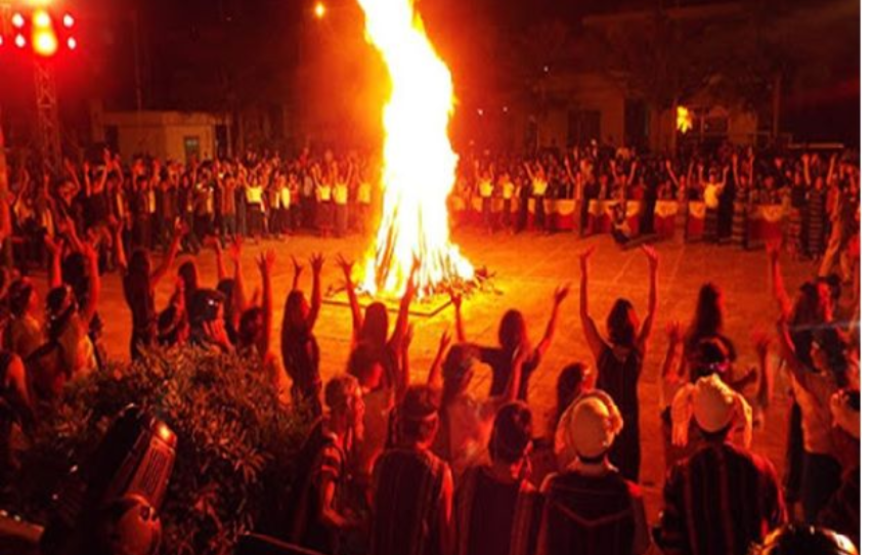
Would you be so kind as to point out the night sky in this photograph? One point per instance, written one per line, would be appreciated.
(212, 54)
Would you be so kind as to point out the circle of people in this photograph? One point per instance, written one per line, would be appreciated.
(392, 467)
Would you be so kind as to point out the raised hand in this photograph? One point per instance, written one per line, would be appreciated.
(266, 261)
(345, 265)
(317, 262)
(675, 332)
(585, 255)
(561, 293)
(456, 298)
(235, 250)
(651, 255)
(297, 267)
(446, 338)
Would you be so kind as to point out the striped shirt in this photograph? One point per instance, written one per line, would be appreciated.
(494, 517)
(413, 491)
(719, 501)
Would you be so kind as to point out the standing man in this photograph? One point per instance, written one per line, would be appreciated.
(320, 492)
(413, 489)
(722, 498)
(590, 508)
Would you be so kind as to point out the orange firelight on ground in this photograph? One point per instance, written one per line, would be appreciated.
(418, 165)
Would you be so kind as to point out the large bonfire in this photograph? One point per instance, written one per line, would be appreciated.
(419, 165)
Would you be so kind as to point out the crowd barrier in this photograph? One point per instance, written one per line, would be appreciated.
(764, 222)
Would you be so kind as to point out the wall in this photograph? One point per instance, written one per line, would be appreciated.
(162, 134)
(585, 91)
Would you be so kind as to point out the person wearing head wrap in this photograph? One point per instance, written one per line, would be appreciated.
(590, 508)
(321, 516)
(495, 503)
(843, 511)
(412, 498)
(721, 498)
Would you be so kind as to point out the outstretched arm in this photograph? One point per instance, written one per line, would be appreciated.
(787, 352)
(405, 307)
(435, 368)
(355, 312)
(298, 269)
(169, 259)
(456, 298)
(776, 281)
(55, 248)
(762, 347)
(90, 308)
(645, 330)
(593, 339)
(240, 298)
(316, 298)
(558, 298)
(265, 264)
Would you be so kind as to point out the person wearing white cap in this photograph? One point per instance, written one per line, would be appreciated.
(722, 498)
(843, 511)
(590, 508)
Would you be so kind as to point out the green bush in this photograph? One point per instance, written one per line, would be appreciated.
(237, 443)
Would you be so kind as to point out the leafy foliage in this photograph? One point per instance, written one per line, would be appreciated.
(237, 443)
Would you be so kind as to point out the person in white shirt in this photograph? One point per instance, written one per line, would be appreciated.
(254, 201)
(713, 187)
(508, 191)
(538, 178)
(485, 189)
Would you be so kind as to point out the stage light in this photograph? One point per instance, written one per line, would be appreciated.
(20, 41)
(320, 10)
(1, 40)
(41, 19)
(45, 43)
(72, 43)
(68, 21)
(17, 20)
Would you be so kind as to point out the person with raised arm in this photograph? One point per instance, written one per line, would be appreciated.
(512, 337)
(140, 282)
(299, 349)
(373, 327)
(619, 359)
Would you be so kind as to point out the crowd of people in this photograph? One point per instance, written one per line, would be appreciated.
(392, 467)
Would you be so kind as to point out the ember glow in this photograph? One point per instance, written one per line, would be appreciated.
(419, 164)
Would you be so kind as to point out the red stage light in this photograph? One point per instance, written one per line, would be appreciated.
(1, 40)
(72, 43)
(17, 20)
(20, 41)
(68, 21)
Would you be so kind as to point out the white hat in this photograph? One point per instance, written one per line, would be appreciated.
(714, 406)
(589, 426)
(844, 415)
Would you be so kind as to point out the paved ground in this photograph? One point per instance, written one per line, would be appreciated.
(528, 268)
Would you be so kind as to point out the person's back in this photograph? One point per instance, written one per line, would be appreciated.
(719, 501)
(499, 514)
(588, 514)
(408, 494)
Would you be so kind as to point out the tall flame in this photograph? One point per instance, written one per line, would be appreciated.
(419, 165)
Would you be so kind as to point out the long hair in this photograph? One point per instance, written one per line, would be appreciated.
(375, 325)
(622, 323)
(512, 330)
(708, 313)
